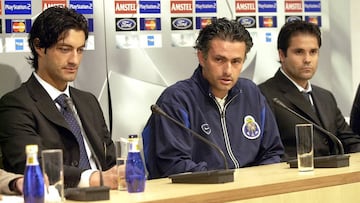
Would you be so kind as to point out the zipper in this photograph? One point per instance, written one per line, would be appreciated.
(225, 132)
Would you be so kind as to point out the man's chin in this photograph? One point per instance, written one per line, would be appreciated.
(225, 89)
(307, 77)
(69, 79)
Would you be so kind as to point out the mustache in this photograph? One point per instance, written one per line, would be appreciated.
(71, 65)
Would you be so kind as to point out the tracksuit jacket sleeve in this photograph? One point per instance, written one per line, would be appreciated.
(271, 147)
(172, 146)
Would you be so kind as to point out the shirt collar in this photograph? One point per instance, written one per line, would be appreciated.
(301, 89)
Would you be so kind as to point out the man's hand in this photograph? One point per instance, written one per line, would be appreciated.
(110, 177)
(19, 185)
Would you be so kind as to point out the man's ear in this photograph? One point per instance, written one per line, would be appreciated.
(37, 47)
(201, 58)
(36, 43)
(281, 55)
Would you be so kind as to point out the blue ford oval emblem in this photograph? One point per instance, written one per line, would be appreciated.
(292, 18)
(247, 21)
(126, 24)
(182, 23)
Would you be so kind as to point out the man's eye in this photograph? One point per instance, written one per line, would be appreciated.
(298, 51)
(239, 61)
(314, 52)
(81, 50)
(219, 60)
(64, 49)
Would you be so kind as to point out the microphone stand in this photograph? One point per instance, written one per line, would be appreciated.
(199, 177)
(92, 193)
(332, 161)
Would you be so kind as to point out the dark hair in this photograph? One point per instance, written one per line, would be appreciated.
(293, 28)
(222, 28)
(51, 26)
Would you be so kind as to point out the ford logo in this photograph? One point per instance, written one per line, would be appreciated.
(292, 18)
(126, 24)
(182, 23)
(247, 21)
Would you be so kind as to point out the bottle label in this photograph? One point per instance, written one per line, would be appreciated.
(32, 160)
(134, 145)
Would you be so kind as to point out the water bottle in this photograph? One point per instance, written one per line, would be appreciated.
(134, 168)
(33, 187)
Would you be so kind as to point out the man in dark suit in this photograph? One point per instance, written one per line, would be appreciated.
(355, 113)
(298, 47)
(32, 114)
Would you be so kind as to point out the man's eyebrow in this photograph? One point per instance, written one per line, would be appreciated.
(69, 45)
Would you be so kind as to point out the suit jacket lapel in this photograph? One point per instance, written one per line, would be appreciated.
(320, 107)
(83, 109)
(44, 103)
(295, 98)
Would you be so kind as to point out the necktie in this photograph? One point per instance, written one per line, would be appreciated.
(307, 96)
(75, 129)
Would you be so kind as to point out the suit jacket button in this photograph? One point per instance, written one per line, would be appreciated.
(75, 163)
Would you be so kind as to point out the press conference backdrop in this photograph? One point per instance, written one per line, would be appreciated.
(143, 46)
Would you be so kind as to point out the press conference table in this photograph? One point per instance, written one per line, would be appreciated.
(269, 183)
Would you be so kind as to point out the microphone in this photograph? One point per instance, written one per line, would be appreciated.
(93, 193)
(331, 161)
(207, 177)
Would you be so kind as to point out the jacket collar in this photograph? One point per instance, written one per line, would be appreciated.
(43, 102)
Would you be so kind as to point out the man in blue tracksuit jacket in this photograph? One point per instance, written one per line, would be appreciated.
(224, 109)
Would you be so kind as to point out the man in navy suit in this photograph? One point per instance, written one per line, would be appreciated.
(30, 115)
(298, 47)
